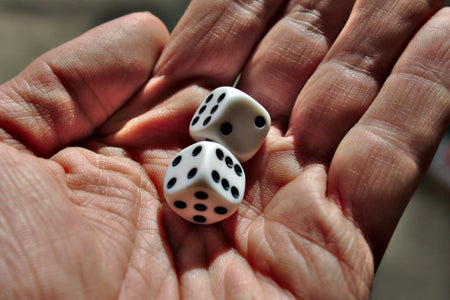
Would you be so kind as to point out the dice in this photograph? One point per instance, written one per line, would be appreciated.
(204, 183)
(233, 119)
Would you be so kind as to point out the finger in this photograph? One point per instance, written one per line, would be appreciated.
(290, 52)
(379, 163)
(66, 93)
(216, 38)
(350, 77)
(146, 122)
(207, 48)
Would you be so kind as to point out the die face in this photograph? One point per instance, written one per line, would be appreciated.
(185, 168)
(201, 205)
(233, 119)
(204, 183)
(225, 173)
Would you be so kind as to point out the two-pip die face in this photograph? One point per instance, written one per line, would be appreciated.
(204, 183)
(233, 119)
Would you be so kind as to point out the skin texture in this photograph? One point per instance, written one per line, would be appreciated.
(359, 97)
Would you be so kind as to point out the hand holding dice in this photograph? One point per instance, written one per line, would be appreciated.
(205, 182)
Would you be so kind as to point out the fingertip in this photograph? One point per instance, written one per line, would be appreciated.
(156, 29)
(140, 35)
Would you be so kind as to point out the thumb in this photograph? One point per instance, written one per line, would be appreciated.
(65, 94)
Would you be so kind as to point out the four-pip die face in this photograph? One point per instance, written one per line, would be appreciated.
(204, 183)
(233, 119)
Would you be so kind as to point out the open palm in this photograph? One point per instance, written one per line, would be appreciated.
(86, 138)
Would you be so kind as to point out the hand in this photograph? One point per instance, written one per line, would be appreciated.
(349, 142)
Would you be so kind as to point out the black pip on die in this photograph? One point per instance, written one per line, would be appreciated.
(233, 119)
(204, 183)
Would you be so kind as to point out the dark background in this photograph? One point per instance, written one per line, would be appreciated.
(417, 262)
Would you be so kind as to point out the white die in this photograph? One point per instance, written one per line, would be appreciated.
(204, 183)
(233, 119)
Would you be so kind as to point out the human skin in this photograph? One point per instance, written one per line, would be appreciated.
(359, 98)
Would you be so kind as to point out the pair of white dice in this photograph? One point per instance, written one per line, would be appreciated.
(205, 182)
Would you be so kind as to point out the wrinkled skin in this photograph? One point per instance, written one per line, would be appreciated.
(359, 97)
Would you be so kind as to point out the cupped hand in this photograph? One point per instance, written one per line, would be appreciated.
(359, 97)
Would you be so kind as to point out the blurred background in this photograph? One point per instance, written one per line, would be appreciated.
(417, 262)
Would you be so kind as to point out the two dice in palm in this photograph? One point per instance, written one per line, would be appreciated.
(205, 182)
